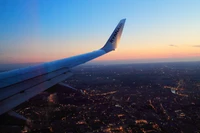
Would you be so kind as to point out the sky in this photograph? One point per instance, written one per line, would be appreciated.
(44, 30)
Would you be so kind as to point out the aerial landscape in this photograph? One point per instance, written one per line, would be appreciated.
(118, 98)
(99, 66)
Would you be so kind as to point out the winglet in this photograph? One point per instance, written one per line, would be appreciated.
(113, 41)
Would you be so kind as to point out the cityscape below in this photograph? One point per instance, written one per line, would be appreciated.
(122, 98)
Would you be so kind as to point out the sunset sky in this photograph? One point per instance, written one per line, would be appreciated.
(45, 30)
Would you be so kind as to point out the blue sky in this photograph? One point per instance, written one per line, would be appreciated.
(45, 30)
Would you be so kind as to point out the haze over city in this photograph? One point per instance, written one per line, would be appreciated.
(155, 31)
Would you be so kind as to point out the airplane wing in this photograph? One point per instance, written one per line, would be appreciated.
(17, 86)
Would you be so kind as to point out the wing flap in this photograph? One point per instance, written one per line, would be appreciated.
(17, 88)
(19, 98)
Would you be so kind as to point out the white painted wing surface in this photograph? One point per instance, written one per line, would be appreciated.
(17, 86)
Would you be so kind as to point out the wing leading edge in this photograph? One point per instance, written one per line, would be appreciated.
(17, 86)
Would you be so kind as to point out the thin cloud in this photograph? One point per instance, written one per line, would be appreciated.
(172, 45)
(196, 46)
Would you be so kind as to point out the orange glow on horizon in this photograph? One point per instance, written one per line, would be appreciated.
(114, 56)
(152, 53)
(140, 52)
